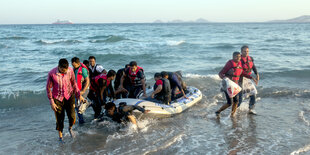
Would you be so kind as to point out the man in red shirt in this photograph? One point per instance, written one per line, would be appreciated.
(61, 80)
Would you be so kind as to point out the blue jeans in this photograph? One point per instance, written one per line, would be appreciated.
(252, 100)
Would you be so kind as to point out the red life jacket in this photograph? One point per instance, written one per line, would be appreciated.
(79, 76)
(237, 71)
(133, 76)
(101, 76)
(247, 65)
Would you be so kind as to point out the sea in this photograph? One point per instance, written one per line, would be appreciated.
(281, 53)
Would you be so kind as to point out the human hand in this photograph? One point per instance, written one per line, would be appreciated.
(152, 96)
(82, 100)
(144, 95)
(255, 80)
(146, 111)
(82, 92)
(257, 77)
(185, 96)
(53, 105)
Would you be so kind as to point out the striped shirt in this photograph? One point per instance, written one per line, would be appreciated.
(62, 85)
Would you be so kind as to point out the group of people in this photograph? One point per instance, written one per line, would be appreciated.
(239, 67)
(67, 89)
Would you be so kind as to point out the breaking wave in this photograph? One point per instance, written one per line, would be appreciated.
(108, 39)
(51, 42)
(175, 43)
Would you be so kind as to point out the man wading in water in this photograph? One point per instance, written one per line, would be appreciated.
(62, 82)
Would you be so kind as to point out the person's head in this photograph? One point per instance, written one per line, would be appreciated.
(75, 61)
(245, 50)
(110, 108)
(236, 57)
(164, 74)
(86, 63)
(92, 61)
(133, 66)
(63, 65)
(111, 75)
(157, 76)
(127, 65)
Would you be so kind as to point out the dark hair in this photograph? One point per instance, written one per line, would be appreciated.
(236, 53)
(111, 73)
(75, 59)
(85, 62)
(244, 47)
(163, 73)
(109, 105)
(63, 63)
(91, 57)
(133, 63)
(157, 75)
(127, 65)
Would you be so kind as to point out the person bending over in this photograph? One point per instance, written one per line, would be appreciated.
(123, 113)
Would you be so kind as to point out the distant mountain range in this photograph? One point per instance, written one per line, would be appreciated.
(199, 20)
(300, 19)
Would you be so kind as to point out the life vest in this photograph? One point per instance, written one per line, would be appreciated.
(237, 67)
(133, 76)
(247, 65)
(79, 76)
(96, 81)
(166, 89)
(92, 74)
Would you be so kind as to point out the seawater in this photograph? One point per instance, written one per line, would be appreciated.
(280, 51)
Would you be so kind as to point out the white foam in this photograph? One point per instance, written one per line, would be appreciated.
(303, 149)
(177, 138)
(197, 76)
(49, 41)
(301, 115)
(175, 43)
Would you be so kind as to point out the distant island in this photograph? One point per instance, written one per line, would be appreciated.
(300, 19)
(199, 20)
(63, 22)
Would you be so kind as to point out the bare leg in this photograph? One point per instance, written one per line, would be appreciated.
(60, 134)
(132, 119)
(234, 108)
(225, 106)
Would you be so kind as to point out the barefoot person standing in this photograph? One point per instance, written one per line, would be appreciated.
(61, 90)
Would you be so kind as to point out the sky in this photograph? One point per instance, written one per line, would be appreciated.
(140, 11)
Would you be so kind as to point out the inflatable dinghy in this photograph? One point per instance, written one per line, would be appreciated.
(177, 106)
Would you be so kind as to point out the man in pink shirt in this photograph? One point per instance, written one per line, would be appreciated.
(61, 80)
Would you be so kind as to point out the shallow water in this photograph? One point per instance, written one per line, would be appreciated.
(280, 51)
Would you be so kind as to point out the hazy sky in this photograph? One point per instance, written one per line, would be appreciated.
(124, 11)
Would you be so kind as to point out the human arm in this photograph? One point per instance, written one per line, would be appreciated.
(225, 69)
(157, 90)
(74, 85)
(87, 81)
(122, 81)
(255, 70)
(178, 84)
(112, 91)
(102, 87)
(143, 87)
(49, 86)
(130, 108)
